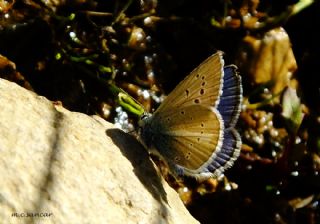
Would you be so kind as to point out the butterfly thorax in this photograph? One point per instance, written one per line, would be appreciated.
(149, 131)
(145, 130)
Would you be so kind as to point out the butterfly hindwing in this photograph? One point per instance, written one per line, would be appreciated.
(188, 136)
(229, 152)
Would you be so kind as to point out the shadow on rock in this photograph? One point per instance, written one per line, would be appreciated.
(140, 160)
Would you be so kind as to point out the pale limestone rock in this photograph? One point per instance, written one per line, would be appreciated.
(75, 168)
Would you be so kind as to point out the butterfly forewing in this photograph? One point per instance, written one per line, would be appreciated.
(192, 135)
(202, 86)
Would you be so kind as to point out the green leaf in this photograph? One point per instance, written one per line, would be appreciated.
(292, 110)
(129, 104)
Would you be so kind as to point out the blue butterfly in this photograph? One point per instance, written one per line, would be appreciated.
(193, 129)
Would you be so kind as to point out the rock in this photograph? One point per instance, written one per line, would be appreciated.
(58, 166)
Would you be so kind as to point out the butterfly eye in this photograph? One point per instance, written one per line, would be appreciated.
(144, 116)
(144, 119)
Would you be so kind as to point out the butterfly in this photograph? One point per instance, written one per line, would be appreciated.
(193, 130)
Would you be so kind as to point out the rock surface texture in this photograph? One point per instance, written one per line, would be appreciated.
(58, 166)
